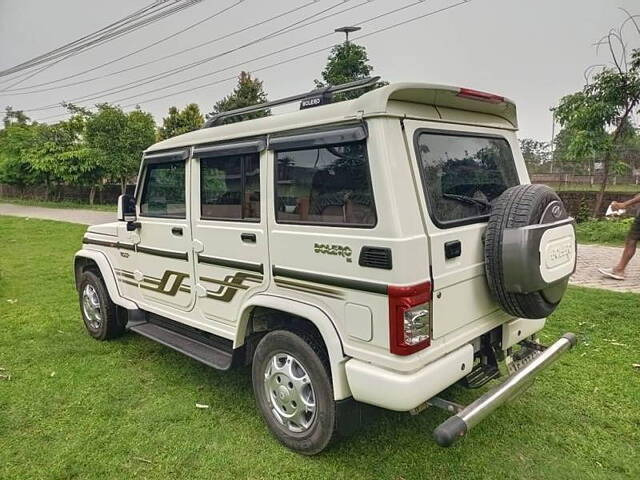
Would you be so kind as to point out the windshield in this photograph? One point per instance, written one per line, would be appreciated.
(463, 174)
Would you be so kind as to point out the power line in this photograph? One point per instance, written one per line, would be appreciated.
(319, 37)
(183, 68)
(101, 33)
(67, 52)
(123, 20)
(303, 55)
(306, 54)
(134, 67)
(146, 47)
(98, 42)
(283, 62)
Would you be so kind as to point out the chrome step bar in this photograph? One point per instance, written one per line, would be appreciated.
(458, 425)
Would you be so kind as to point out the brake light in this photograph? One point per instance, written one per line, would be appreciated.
(409, 318)
(478, 95)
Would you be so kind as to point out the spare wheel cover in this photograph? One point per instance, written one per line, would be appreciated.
(530, 250)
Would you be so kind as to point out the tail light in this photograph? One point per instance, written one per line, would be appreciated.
(482, 96)
(409, 318)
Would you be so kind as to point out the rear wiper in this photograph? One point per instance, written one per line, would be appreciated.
(466, 199)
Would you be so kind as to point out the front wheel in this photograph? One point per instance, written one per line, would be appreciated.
(98, 311)
(293, 390)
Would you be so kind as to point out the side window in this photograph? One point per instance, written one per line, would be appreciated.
(230, 187)
(330, 185)
(163, 192)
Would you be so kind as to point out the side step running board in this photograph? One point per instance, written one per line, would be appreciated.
(207, 354)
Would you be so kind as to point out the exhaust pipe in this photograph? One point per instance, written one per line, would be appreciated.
(458, 425)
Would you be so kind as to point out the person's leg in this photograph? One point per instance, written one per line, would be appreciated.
(627, 254)
(629, 251)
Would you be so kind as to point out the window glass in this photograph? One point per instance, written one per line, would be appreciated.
(230, 187)
(252, 187)
(329, 185)
(163, 192)
(463, 174)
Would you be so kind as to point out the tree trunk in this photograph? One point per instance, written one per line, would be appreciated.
(46, 189)
(603, 185)
(123, 185)
(92, 194)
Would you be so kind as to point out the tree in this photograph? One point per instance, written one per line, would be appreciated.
(83, 150)
(179, 122)
(140, 133)
(249, 91)
(535, 153)
(596, 118)
(61, 154)
(16, 140)
(12, 116)
(118, 139)
(347, 62)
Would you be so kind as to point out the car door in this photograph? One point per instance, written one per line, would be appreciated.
(229, 228)
(163, 253)
(462, 171)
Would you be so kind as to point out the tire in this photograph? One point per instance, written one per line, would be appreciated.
(278, 397)
(518, 206)
(99, 313)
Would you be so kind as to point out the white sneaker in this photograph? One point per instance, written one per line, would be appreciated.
(608, 272)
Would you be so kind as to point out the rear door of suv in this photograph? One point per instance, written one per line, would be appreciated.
(323, 217)
(229, 229)
(461, 170)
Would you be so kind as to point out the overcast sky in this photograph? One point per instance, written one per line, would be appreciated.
(533, 51)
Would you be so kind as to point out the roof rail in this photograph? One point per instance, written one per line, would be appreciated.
(321, 94)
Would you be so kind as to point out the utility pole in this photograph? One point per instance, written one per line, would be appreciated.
(347, 30)
(553, 135)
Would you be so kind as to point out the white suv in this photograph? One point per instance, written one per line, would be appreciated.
(376, 250)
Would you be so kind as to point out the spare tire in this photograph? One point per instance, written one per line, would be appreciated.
(529, 251)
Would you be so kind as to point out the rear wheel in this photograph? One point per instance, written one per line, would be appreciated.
(98, 311)
(293, 390)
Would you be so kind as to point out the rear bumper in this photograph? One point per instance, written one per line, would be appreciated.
(402, 392)
(458, 425)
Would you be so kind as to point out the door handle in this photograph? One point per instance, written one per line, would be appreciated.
(177, 231)
(248, 237)
(452, 249)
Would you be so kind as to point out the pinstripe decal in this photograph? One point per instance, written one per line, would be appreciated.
(230, 285)
(158, 285)
(308, 288)
(108, 243)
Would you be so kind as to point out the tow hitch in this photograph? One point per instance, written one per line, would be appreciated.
(524, 372)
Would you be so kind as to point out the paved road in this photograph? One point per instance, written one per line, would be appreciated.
(86, 217)
(590, 257)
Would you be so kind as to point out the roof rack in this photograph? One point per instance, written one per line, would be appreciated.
(314, 98)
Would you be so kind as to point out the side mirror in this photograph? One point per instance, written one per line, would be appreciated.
(126, 208)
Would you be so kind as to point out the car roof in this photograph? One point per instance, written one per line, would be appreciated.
(374, 103)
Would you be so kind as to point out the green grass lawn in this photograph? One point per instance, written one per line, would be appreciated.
(41, 203)
(604, 232)
(82, 409)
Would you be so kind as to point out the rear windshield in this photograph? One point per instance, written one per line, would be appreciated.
(463, 174)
